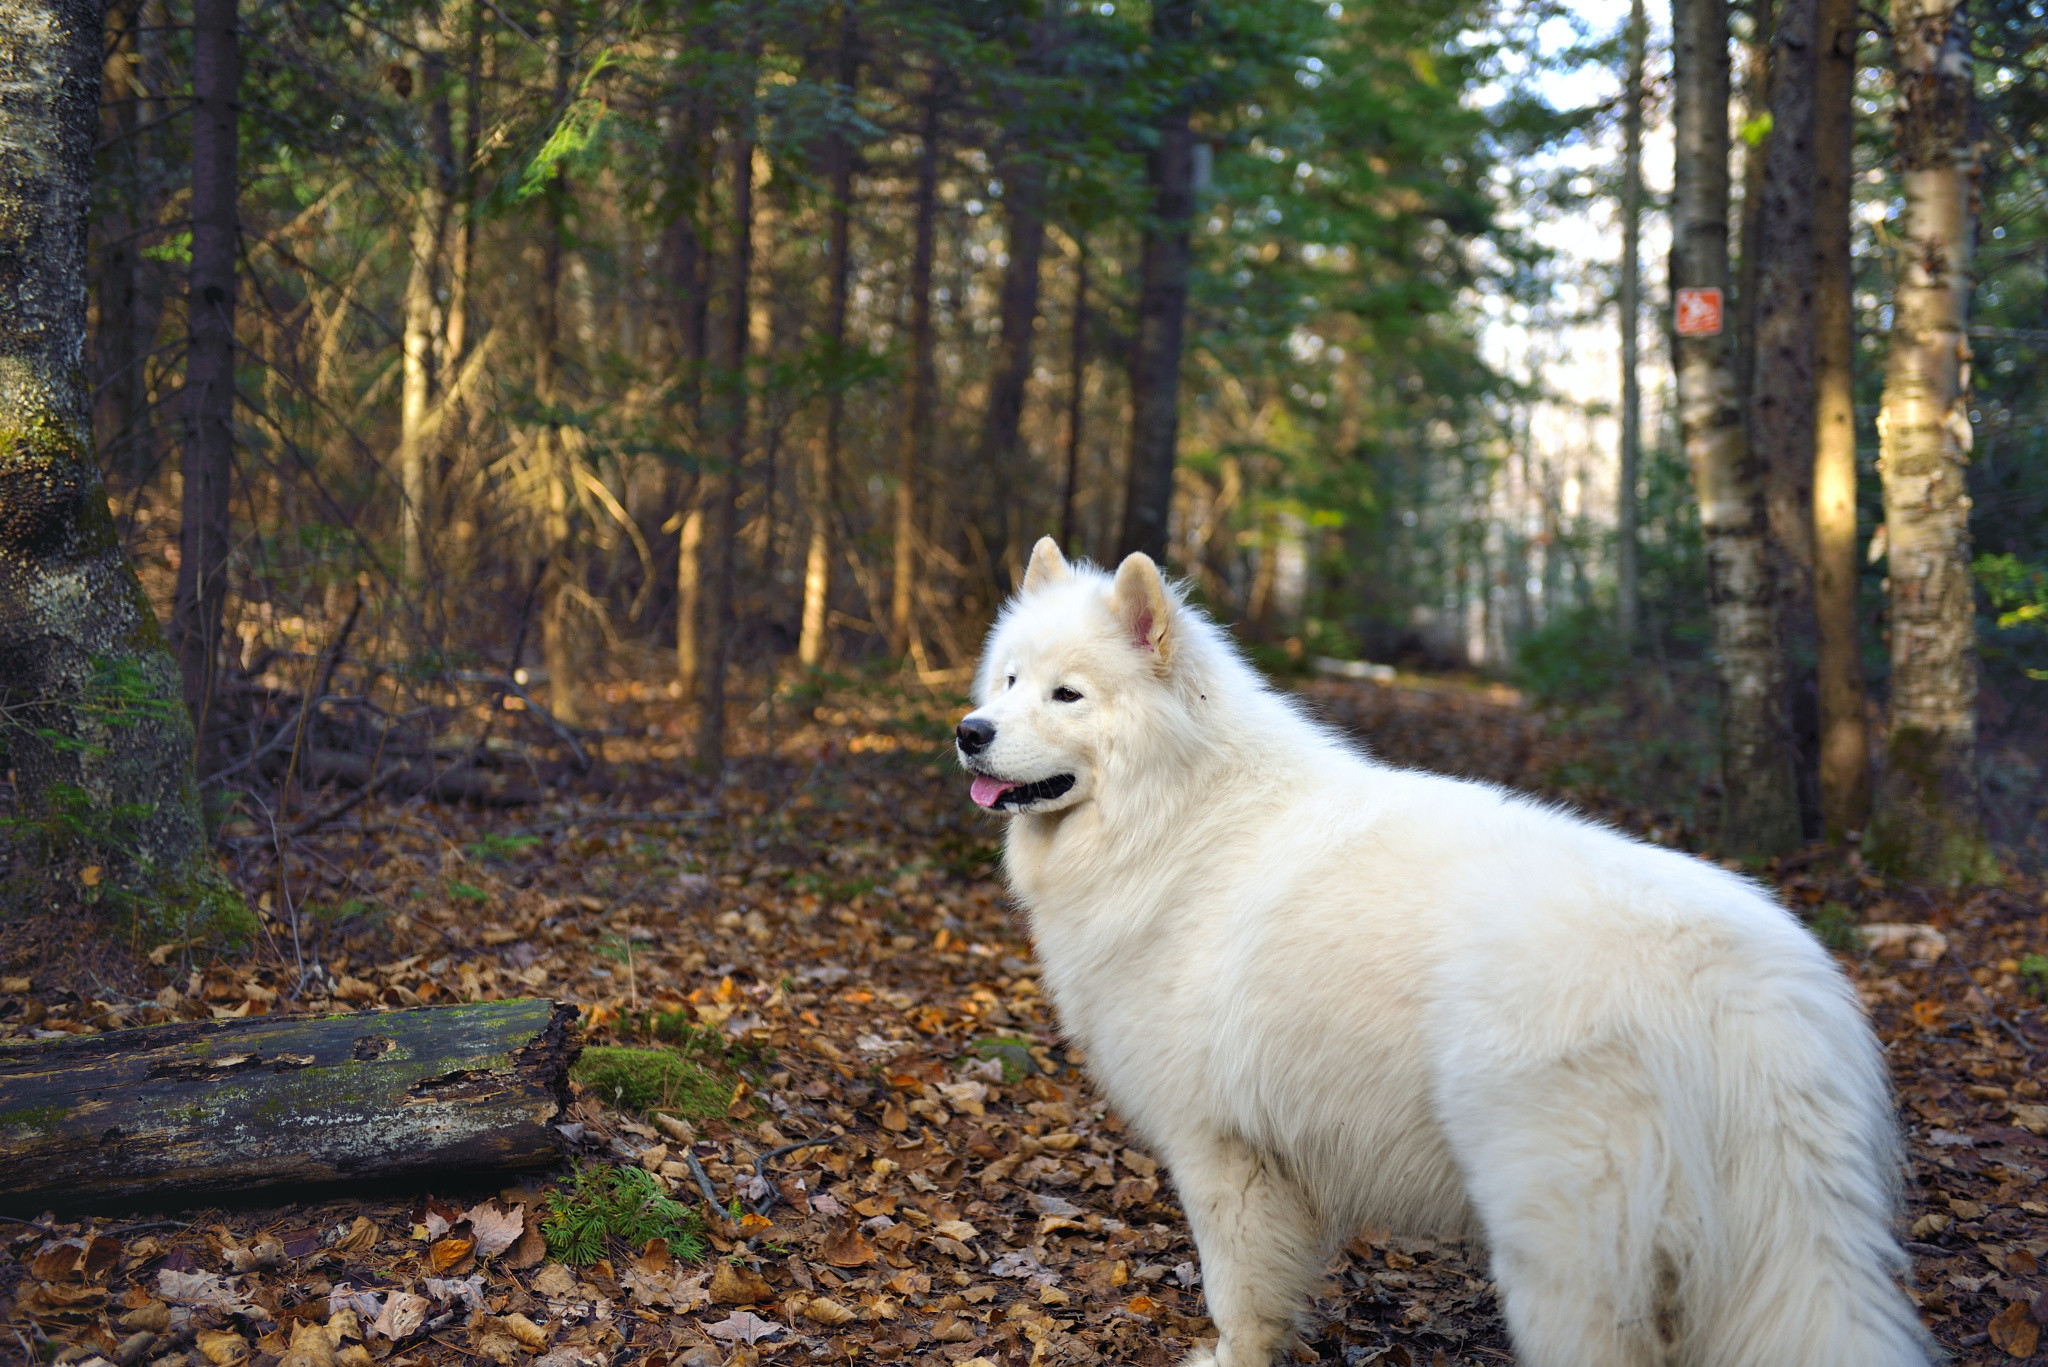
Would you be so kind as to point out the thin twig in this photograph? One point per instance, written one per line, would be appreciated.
(703, 1179)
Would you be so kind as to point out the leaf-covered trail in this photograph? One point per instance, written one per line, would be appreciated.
(907, 1163)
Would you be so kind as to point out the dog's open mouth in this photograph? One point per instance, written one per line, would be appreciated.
(994, 792)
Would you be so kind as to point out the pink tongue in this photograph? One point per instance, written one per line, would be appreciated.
(987, 791)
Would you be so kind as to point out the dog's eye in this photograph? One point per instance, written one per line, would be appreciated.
(1065, 694)
(1010, 682)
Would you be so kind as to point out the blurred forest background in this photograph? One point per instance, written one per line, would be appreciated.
(606, 351)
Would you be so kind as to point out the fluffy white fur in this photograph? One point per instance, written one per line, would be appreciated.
(1331, 993)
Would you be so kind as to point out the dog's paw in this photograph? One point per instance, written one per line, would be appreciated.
(1201, 1357)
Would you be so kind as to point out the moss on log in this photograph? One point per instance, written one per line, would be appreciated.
(224, 1107)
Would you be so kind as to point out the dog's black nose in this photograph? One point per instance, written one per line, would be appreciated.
(974, 735)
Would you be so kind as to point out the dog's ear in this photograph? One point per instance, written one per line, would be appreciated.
(1047, 566)
(1140, 603)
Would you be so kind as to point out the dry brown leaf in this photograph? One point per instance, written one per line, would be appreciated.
(524, 1329)
(2014, 1330)
(312, 1346)
(222, 1348)
(844, 1247)
(950, 1328)
(554, 1281)
(361, 1237)
(402, 1316)
(450, 1253)
(739, 1285)
(495, 1228)
(825, 1310)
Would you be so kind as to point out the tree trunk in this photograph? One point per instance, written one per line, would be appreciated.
(1928, 822)
(225, 1107)
(102, 738)
(1077, 385)
(920, 397)
(1627, 574)
(1756, 116)
(810, 649)
(422, 286)
(1760, 812)
(558, 647)
(209, 457)
(729, 403)
(1844, 745)
(1781, 391)
(998, 451)
(125, 327)
(687, 265)
(1162, 310)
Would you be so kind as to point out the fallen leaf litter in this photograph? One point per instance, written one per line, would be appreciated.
(906, 1163)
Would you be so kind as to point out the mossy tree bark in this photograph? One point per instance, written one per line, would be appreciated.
(94, 729)
(1928, 820)
(1759, 810)
(172, 1112)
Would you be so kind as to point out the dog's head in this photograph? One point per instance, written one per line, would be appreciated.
(1075, 658)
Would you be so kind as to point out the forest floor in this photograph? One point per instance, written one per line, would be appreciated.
(834, 948)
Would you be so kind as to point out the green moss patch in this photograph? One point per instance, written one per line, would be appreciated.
(652, 1080)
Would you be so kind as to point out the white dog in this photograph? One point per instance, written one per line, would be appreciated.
(1331, 993)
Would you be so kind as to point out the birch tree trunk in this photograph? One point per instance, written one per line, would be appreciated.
(1627, 573)
(920, 400)
(1844, 756)
(1162, 311)
(1781, 392)
(1759, 810)
(93, 727)
(1928, 822)
(810, 650)
(209, 455)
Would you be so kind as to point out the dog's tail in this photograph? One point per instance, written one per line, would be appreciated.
(1798, 1258)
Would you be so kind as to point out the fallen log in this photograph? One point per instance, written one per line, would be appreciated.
(215, 1107)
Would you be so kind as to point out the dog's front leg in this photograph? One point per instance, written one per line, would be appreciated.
(1259, 1241)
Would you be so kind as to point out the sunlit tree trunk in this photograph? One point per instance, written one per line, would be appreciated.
(920, 401)
(825, 454)
(1844, 742)
(1927, 821)
(729, 426)
(688, 259)
(423, 278)
(1627, 574)
(81, 654)
(564, 664)
(1162, 309)
(209, 454)
(1781, 391)
(1760, 811)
